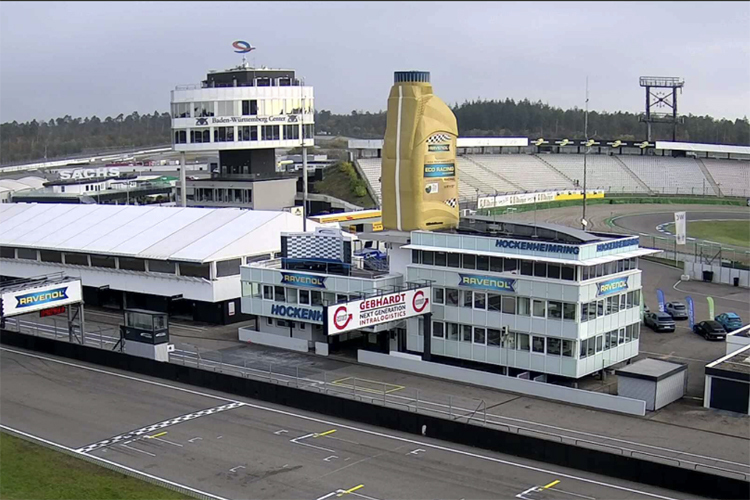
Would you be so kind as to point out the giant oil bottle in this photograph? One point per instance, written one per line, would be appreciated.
(419, 179)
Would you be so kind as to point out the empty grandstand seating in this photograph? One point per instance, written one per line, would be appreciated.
(602, 172)
(669, 175)
(481, 178)
(526, 171)
(371, 168)
(732, 176)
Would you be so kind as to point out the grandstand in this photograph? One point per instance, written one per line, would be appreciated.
(732, 176)
(667, 175)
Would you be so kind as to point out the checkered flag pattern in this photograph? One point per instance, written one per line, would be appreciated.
(315, 246)
(438, 139)
(452, 202)
(155, 427)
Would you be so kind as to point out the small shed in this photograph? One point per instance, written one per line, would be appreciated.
(654, 381)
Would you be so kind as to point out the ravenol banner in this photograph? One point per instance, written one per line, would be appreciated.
(611, 286)
(439, 170)
(305, 280)
(710, 307)
(660, 299)
(487, 282)
(35, 299)
(691, 311)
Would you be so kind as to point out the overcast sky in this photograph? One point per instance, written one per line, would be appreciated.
(86, 58)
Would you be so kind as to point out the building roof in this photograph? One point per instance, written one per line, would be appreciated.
(735, 365)
(150, 232)
(651, 369)
(483, 225)
(14, 185)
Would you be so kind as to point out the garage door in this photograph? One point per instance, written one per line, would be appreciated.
(730, 395)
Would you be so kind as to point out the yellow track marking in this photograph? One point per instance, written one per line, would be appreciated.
(325, 433)
(350, 490)
(550, 485)
(157, 435)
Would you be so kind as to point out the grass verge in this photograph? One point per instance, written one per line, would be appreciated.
(33, 472)
(341, 181)
(728, 232)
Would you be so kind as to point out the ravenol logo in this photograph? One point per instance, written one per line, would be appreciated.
(45, 297)
(440, 170)
(438, 148)
(611, 286)
(306, 280)
(487, 282)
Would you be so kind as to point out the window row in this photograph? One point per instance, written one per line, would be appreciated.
(290, 295)
(618, 266)
(243, 133)
(507, 304)
(246, 107)
(609, 340)
(494, 337)
(229, 195)
(494, 264)
(610, 305)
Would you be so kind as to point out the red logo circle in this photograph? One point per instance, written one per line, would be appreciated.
(341, 310)
(419, 294)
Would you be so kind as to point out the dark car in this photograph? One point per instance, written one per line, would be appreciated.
(659, 322)
(730, 321)
(710, 330)
(677, 310)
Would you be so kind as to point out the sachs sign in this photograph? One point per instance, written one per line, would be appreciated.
(358, 314)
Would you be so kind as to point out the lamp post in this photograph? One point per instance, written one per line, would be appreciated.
(584, 222)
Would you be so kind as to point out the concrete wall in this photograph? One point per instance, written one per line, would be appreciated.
(721, 274)
(248, 335)
(539, 389)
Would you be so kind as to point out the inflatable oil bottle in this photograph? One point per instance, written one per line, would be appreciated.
(419, 178)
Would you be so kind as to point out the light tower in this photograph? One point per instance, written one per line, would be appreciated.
(664, 97)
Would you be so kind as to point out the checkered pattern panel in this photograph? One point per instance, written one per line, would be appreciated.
(438, 139)
(155, 427)
(315, 246)
(452, 202)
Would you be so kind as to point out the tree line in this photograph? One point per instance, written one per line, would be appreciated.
(68, 136)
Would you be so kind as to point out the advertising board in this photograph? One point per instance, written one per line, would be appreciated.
(371, 311)
(45, 297)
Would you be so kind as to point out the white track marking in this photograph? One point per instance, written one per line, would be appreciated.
(357, 429)
(136, 449)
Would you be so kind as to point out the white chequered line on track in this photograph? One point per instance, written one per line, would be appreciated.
(155, 427)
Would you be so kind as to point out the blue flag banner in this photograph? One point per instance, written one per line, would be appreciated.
(660, 299)
(691, 311)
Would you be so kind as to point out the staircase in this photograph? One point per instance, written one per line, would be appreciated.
(708, 176)
(519, 188)
(549, 165)
(632, 174)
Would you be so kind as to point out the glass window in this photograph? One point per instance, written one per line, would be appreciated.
(553, 271)
(621, 336)
(415, 256)
(483, 263)
(247, 133)
(181, 110)
(480, 300)
(553, 346)
(540, 269)
(524, 306)
(586, 272)
(316, 298)
(584, 312)
(620, 266)
(540, 309)
(493, 337)
(583, 349)
(615, 304)
(523, 342)
(7, 252)
(228, 267)
(636, 331)
(567, 348)
(599, 342)
(466, 298)
(608, 304)
(329, 298)
(480, 336)
(291, 132)
(555, 309)
(428, 258)
(198, 135)
(452, 331)
(278, 294)
(77, 259)
(629, 299)
(469, 261)
(250, 107)
(451, 297)
(590, 346)
(54, 256)
(224, 134)
(270, 132)
(494, 301)
(636, 298)
(140, 265)
(267, 292)
(154, 266)
(225, 108)
(291, 295)
(592, 310)
(269, 321)
(466, 333)
(203, 109)
(496, 264)
(304, 296)
(438, 295)
(599, 308)
(511, 340)
(437, 329)
(341, 297)
(454, 260)
(509, 305)
(526, 268)
(537, 344)
(441, 259)
(629, 333)
(569, 311)
(510, 264)
(180, 136)
(568, 273)
(607, 340)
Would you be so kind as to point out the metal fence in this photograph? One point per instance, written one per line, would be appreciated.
(704, 252)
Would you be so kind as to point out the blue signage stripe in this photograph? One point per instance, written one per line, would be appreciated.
(45, 297)
(305, 280)
(611, 286)
(487, 282)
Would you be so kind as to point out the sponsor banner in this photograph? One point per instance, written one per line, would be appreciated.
(691, 311)
(358, 314)
(679, 226)
(300, 313)
(36, 299)
(611, 286)
(508, 200)
(578, 195)
(304, 280)
(613, 245)
(438, 148)
(487, 282)
(533, 246)
(440, 170)
(246, 120)
(710, 301)
(660, 299)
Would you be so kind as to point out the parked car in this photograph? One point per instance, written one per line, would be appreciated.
(677, 310)
(730, 321)
(659, 322)
(710, 330)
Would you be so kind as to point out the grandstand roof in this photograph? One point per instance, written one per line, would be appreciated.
(151, 232)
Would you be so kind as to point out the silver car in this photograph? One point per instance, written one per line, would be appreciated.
(677, 310)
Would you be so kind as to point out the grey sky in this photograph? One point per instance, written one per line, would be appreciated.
(85, 58)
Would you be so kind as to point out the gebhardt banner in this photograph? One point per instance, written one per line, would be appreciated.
(357, 314)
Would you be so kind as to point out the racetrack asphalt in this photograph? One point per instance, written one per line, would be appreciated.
(239, 448)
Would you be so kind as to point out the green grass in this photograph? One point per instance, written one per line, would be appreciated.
(341, 181)
(34, 472)
(728, 232)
